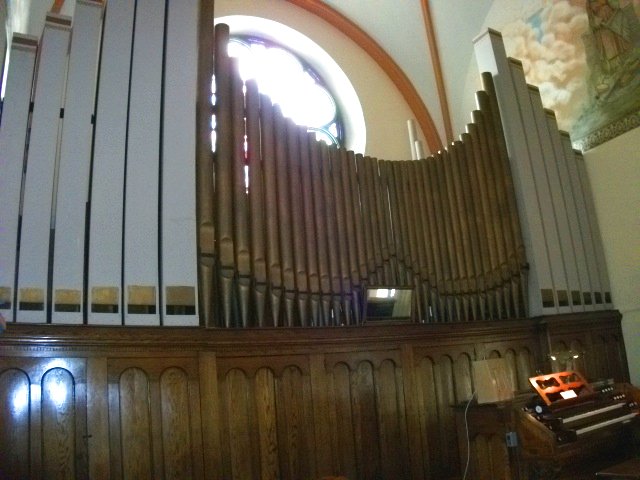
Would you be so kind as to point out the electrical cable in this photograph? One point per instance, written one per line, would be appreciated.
(466, 428)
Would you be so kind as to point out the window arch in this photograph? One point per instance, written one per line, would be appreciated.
(290, 82)
(347, 103)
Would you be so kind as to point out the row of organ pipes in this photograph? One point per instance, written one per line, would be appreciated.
(317, 224)
(114, 210)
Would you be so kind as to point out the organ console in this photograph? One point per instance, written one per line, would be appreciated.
(570, 425)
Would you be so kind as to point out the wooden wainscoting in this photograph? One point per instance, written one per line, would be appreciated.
(179, 403)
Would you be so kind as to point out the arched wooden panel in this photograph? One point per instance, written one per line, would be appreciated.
(345, 435)
(489, 458)
(428, 405)
(176, 434)
(135, 425)
(512, 367)
(14, 424)
(265, 399)
(526, 368)
(238, 416)
(480, 464)
(365, 424)
(599, 359)
(462, 377)
(58, 425)
(445, 394)
(615, 354)
(391, 421)
(499, 458)
(295, 426)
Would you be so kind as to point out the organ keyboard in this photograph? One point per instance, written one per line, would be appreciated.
(571, 425)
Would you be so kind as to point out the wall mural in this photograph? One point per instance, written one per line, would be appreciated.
(584, 55)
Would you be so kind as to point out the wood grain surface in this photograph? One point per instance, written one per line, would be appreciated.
(363, 402)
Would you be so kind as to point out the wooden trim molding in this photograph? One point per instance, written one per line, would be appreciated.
(288, 403)
(382, 58)
(437, 69)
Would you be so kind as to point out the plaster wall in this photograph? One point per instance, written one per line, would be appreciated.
(615, 180)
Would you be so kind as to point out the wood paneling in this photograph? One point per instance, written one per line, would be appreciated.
(43, 429)
(154, 415)
(58, 424)
(14, 424)
(176, 433)
(134, 424)
(360, 402)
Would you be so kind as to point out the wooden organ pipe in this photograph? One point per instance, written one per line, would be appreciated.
(316, 224)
